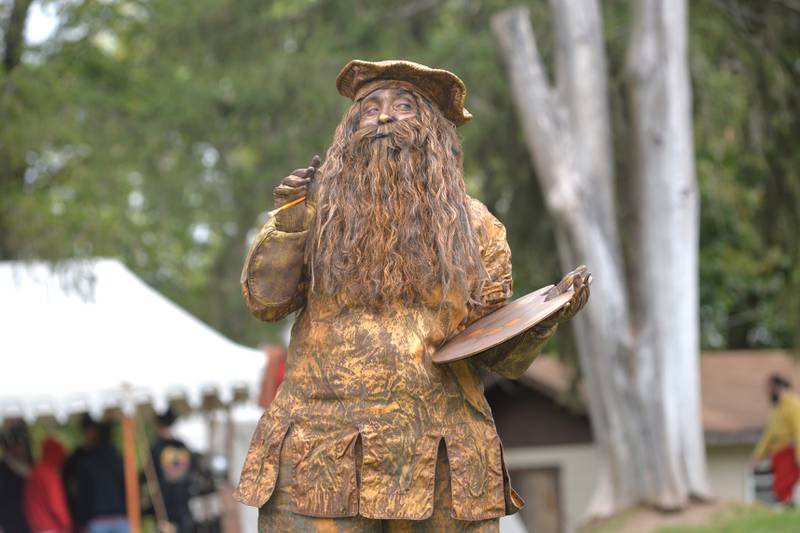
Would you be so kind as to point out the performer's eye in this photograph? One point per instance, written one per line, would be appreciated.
(371, 110)
(404, 106)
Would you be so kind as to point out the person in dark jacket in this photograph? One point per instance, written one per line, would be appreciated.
(15, 468)
(45, 502)
(71, 473)
(173, 465)
(101, 483)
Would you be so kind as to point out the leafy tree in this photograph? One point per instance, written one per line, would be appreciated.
(154, 131)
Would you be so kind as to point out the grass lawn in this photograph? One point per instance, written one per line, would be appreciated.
(746, 519)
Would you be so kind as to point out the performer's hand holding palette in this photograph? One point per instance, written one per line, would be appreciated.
(507, 322)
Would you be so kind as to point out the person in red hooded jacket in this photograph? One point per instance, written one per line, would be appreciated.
(45, 500)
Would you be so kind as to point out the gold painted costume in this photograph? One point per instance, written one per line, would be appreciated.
(278, 513)
(363, 380)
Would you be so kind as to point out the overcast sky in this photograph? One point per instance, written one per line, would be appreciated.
(41, 23)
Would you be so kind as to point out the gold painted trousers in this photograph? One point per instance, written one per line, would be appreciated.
(276, 515)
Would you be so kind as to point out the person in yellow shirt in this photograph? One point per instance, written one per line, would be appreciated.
(780, 438)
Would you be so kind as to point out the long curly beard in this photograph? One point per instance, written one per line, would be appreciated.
(392, 222)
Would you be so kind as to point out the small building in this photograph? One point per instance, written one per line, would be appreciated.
(549, 447)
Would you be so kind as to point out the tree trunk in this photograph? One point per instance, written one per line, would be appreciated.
(11, 172)
(665, 243)
(15, 34)
(567, 127)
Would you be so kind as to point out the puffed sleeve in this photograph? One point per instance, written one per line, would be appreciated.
(514, 356)
(272, 278)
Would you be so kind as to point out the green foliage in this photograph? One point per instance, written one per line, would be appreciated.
(746, 67)
(706, 518)
(154, 131)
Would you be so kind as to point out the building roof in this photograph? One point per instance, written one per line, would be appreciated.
(735, 405)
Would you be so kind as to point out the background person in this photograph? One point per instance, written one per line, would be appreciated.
(102, 485)
(71, 472)
(14, 471)
(45, 501)
(780, 438)
(172, 460)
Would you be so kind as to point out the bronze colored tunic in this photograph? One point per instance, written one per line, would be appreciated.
(278, 513)
(352, 373)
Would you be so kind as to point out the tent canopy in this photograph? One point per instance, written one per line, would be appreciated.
(91, 337)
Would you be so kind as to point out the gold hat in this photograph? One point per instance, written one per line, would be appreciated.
(443, 88)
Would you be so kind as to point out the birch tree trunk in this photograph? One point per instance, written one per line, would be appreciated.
(665, 245)
(641, 374)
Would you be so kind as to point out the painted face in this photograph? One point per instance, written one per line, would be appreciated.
(382, 106)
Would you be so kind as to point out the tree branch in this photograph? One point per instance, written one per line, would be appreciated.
(542, 115)
(15, 34)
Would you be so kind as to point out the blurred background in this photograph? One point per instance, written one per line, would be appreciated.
(153, 131)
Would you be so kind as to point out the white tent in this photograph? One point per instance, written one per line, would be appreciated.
(91, 336)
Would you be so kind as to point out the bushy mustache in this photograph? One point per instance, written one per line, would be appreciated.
(398, 135)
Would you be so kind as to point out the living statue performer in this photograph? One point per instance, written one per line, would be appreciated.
(385, 259)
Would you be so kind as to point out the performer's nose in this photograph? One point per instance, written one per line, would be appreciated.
(384, 118)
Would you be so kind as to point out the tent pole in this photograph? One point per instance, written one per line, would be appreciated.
(132, 504)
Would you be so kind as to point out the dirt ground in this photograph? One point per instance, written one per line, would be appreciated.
(643, 520)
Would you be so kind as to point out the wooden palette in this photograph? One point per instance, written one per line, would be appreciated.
(507, 322)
